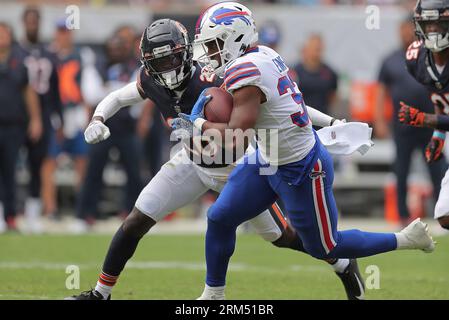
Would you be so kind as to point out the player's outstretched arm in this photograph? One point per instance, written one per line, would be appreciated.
(97, 131)
(414, 117)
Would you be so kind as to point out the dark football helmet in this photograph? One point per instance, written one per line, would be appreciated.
(166, 53)
(431, 19)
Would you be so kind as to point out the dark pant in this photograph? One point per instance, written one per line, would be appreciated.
(37, 151)
(98, 157)
(11, 138)
(406, 144)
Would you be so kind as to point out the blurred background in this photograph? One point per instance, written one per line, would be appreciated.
(347, 57)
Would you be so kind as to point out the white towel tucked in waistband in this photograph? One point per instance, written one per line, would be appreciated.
(346, 138)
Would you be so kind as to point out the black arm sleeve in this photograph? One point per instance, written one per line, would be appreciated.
(442, 122)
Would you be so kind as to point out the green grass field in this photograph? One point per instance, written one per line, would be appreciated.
(172, 267)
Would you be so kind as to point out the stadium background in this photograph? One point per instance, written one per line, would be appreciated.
(364, 186)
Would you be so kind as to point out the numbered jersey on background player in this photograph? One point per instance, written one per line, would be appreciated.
(284, 109)
(421, 66)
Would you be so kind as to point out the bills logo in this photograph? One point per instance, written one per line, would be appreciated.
(227, 16)
(317, 174)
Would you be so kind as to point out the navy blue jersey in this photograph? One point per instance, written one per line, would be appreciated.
(170, 104)
(421, 66)
(42, 66)
(403, 87)
(316, 86)
(167, 101)
(13, 80)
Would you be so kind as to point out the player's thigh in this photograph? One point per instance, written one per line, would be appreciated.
(245, 195)
(312, 208)
(174, 186)
(442, 206)
(270, 224)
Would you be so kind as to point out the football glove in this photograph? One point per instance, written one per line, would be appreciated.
(411, 116)
(96, 131)
(182, 126)
(434, 149)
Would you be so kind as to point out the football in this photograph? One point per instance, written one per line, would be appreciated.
(219, 108)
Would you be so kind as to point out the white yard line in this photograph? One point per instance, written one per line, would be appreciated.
(177, 265)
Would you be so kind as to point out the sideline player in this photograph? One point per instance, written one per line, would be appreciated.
(265, 98)
(427, 61)
(173, 82)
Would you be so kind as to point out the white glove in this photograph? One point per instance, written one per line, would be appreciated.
(337, 121)
(96, 131)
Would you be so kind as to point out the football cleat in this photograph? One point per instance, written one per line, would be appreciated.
(353, 281)
(88, 295)
(205, 296)
(212, 293)
(417, 236)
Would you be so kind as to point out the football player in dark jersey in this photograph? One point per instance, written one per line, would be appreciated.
(43, 76)
(427, 61)
(171, 79)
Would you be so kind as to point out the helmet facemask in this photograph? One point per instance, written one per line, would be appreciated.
(211, 55)
(168, 67)
(433, 28)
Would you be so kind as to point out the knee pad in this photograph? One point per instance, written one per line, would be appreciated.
(216, 214)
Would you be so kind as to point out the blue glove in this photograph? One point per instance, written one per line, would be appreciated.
(182, 126)
(198, 108)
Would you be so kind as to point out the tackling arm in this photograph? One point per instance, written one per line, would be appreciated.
(113, 102)
(97, 131)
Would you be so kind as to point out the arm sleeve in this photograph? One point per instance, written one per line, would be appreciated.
(319, 118)
(442, 122)
(113, 102)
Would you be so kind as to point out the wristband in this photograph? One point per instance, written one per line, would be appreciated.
(198, 123)
(439, 135)
(332, 121)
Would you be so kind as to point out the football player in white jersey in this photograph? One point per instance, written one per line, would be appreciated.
(172, 81)
(298, 169)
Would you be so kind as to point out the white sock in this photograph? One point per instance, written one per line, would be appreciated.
(402, 241)
(103, 289)
(340, 265)
(33, 208)
(2, 218)
(213, 291)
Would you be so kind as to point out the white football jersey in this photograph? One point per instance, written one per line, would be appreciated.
(283, 128)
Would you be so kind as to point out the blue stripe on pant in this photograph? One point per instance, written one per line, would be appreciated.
(309, 203)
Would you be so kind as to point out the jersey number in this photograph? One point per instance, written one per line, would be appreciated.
(300, 118)
(39, 73)
(413, 50)
(441, 101)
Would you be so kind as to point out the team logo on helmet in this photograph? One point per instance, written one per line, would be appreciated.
(227, 16)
